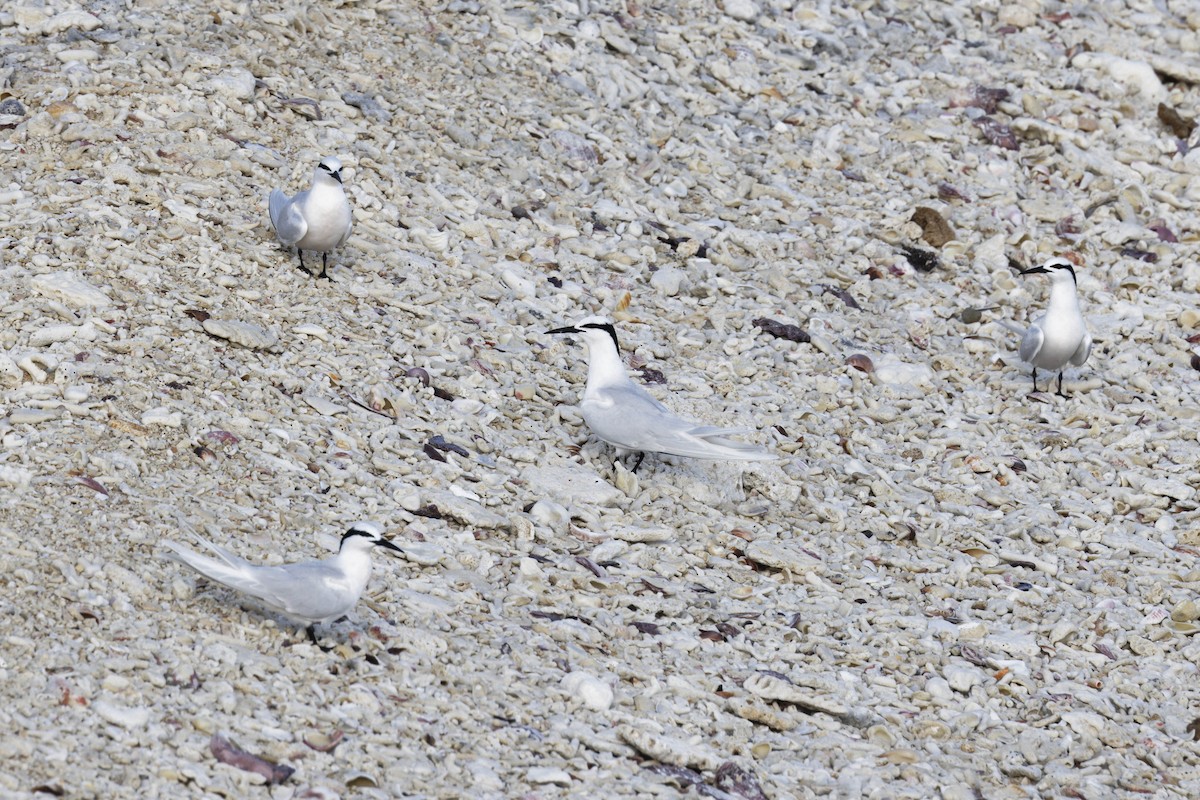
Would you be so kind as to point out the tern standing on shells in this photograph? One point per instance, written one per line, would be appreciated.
(316, 219)
(1060, 336)
(309, 591)
(625, 415)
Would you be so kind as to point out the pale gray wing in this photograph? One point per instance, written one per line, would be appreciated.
(346, 234)
(286, 218)
(636, 421)
(299, 590)
(1083, 351)
(628, 417)
(1031, 343)
(312, 591)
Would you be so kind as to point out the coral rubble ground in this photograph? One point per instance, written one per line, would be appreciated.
(945, 587)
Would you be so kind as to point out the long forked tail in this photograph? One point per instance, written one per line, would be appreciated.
(715, 443)
(223, 569)
(735, 450)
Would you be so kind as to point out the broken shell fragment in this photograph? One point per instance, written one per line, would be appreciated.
(244, 333)
(860, 362)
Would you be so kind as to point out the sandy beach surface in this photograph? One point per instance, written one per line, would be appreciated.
(945, 587)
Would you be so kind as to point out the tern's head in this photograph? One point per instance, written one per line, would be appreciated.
(1059, 269)
(330, 167)
(594, 331)
(363, 536)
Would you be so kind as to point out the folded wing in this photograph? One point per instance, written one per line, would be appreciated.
(305, 591)
(1031, 343)
(630, 418)
(286, 218)
(1083, 351)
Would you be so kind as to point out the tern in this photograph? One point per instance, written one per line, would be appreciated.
(625, 415)
(307, 591)
(316, 219)
(1059, 336)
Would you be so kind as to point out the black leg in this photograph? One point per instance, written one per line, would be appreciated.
(1060, 391)
(1035, 379)
(303, 268)
(312, 637)
(324, 267)
(638, 463)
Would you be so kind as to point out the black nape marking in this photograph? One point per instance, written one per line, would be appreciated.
(605, 326)
(1069, 269)
(356, 532)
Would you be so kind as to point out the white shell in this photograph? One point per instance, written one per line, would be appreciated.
(669, 749)
(633, 534)
(70, 289)
(769, 687)
(324, 405)
(540, 776)
(52, 334)
(163, 416)
(67, 20)
(15, 476)
(436, 241)
(754, 712)
(1137, 76)
(243, 333)
(593, 692)
(10, 373)
(782, 555)
(124, 716)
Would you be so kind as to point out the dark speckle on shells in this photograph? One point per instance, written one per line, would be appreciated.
(430, 511)
(997, 133)
(1164, 233)
(781, 330)
(921, 260)
(438, 441)
(228, 753)
(368, 105)
(681, 776)
(1179, 125)
(737, 781)
(1139, 254)
(935, 230)
(651, 375)
(1067, 228)
(947, 192)
(841, 294)
(419, 373)
(987, 98)
(11, 105)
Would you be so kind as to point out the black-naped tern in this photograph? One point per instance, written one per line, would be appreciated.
(623, 414)
(307, 591)
(316, 219)
(1059, 336)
